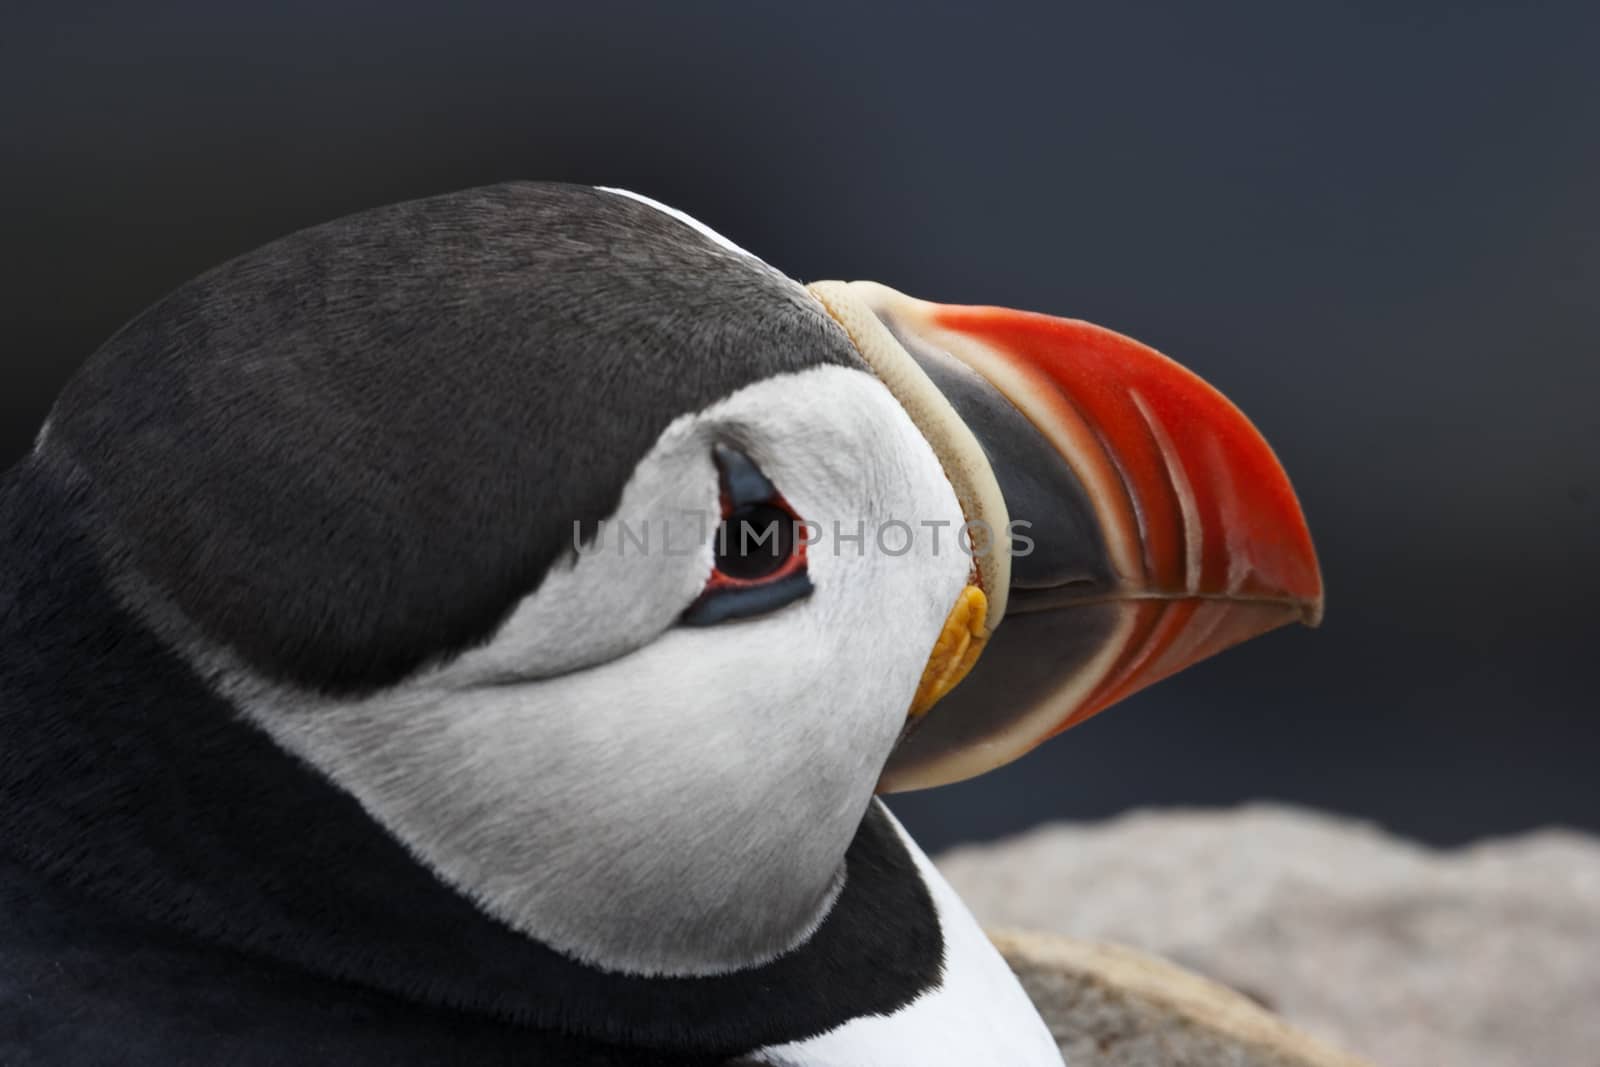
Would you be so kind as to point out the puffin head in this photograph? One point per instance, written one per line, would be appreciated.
(612, 572)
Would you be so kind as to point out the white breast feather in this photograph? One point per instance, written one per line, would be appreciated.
(979, 1016)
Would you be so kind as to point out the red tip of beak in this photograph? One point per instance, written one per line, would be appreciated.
(1201, 520)
(1204, 498)
(1202, 543)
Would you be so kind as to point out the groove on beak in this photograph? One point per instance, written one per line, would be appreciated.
(1156, 526)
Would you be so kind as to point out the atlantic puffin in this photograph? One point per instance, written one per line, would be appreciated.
(479, 630)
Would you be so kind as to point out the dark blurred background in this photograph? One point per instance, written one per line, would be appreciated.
(1377, 230)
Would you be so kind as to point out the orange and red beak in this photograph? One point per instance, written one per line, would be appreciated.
(1153, 526)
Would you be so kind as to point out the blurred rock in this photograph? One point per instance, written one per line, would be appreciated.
(1109, 1006)
(1487, 956)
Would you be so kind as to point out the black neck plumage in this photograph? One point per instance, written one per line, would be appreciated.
(125, 780)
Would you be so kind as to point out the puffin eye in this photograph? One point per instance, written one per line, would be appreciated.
(759, 557)
(755, 542)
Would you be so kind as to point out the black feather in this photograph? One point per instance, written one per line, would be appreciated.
(349, 453)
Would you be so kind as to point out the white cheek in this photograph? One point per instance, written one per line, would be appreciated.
(807, 700)
(673, 799)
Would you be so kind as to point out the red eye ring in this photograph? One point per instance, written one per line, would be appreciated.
(758, 550)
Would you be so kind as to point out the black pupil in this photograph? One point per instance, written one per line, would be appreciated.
(755, 541)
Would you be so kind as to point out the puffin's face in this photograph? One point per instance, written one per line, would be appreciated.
(613, 573)
(659, 759)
